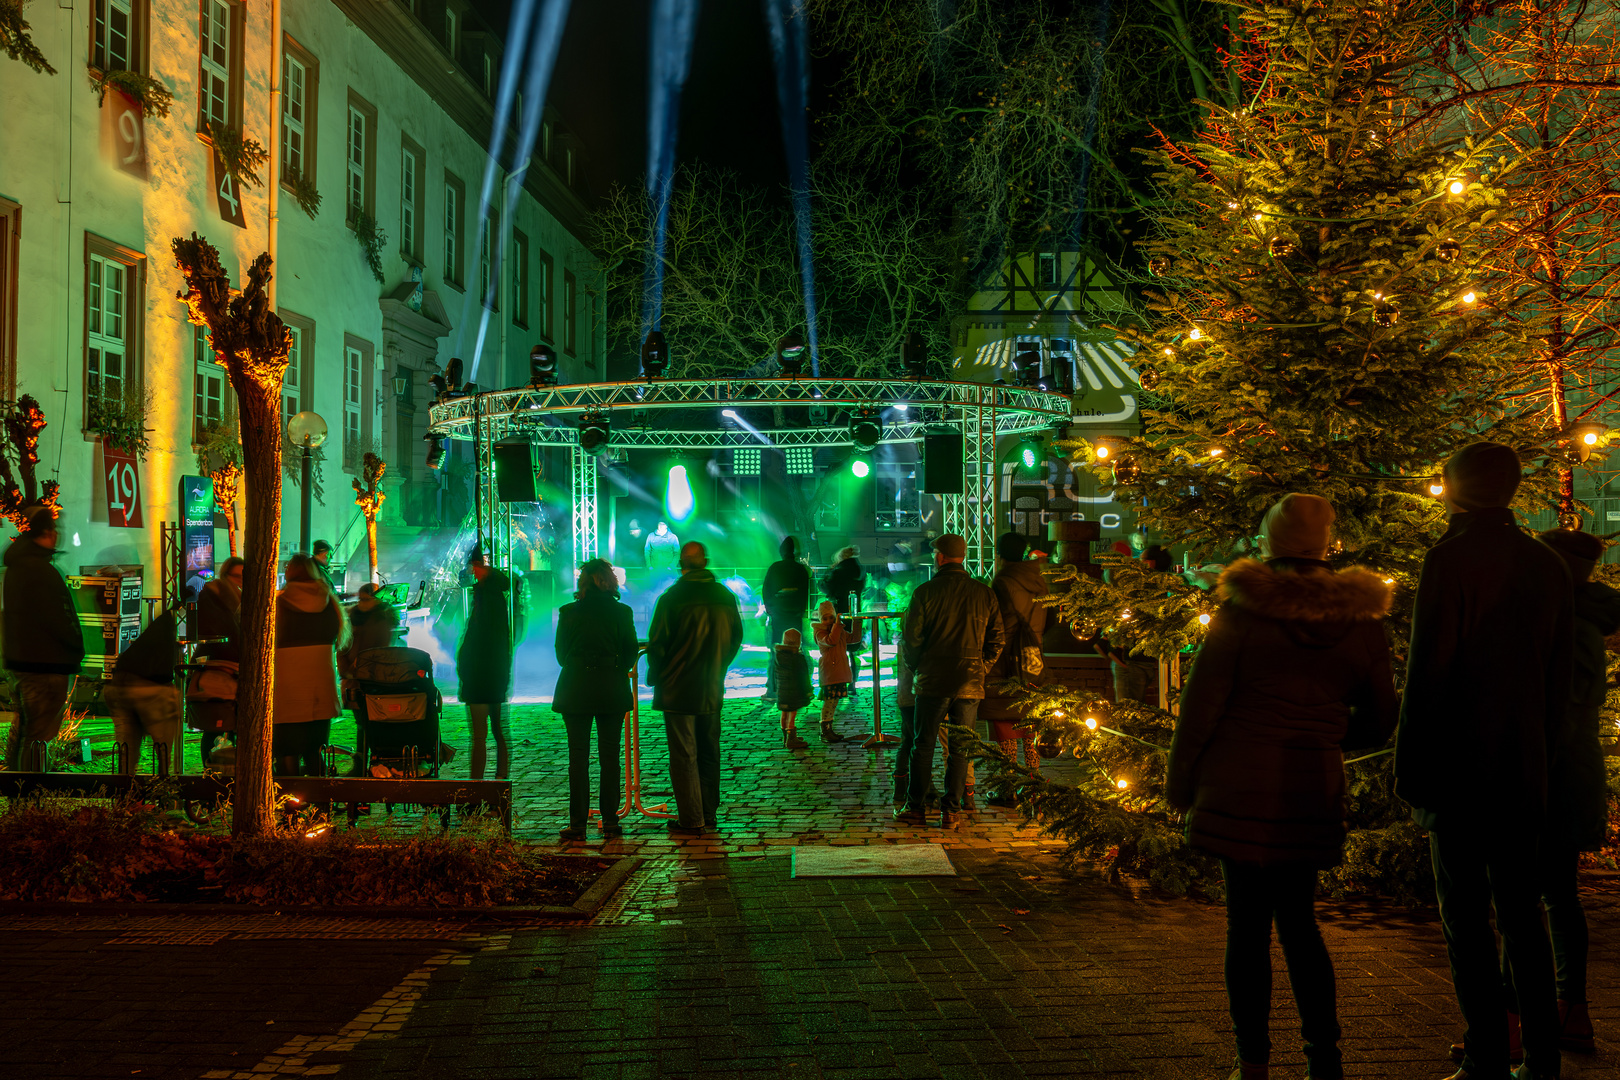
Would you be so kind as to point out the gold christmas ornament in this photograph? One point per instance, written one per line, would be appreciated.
(1282, 247)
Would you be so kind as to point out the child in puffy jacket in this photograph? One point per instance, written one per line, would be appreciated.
(792, 686)
(833, 638)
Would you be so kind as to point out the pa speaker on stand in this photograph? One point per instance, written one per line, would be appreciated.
(514, 471)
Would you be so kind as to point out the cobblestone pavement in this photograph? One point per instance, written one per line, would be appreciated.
(713, 962)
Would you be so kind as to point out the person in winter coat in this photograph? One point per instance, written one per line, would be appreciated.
(142, 695)
(833, 668)
(1018, 586)
(219, 613)
(662, 550)
(786, 596)
(484, 663)
(793, 685)
(845, 582)
(310, 631)
(43, 644)
(952, 637)
(694, 634)
(1294, 667)
(371, 623)
(1577, 801)
(1487, 694)
(596, 648)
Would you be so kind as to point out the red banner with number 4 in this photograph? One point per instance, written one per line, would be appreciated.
(123, 478)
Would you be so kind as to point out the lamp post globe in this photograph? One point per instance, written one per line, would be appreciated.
(307, 431)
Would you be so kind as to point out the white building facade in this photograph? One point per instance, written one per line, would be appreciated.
(387, 108)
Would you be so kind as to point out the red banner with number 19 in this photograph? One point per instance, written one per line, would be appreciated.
(123, 478)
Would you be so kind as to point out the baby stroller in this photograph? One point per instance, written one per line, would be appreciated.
(399, 712)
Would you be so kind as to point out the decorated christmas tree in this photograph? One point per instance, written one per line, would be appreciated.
(1324, 321)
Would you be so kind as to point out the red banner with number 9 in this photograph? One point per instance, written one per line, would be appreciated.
(123, 478)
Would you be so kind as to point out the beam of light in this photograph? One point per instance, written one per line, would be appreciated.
(678, 498)
(750, 428)
(674, 24)
(538, 45)
(790, 44)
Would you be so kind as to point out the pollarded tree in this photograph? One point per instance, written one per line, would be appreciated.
(251, 343)
(368, 496)
(1327, 325)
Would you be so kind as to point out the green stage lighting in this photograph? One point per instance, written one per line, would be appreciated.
(678, 498)
(859, 467)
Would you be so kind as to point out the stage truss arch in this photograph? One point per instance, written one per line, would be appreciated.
(642, 414)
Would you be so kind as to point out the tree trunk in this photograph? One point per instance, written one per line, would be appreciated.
(371, 545)
(253, 800)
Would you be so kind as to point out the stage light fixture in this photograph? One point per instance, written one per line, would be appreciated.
(1030, 464)
(435, 454)
(447, 383)
(901, 407)
(654, 355)
(859, 467)
(1027, 363)
(542, 366)
(595, 431)
(678, 495)
(865, 429)
(790, 355)
(914, 356)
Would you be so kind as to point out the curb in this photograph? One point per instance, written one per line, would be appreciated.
(582, 909)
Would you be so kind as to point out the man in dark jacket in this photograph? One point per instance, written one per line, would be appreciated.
(694, 634)
(1487, 696)
(952, 636)
(43, 643)
(786, 596)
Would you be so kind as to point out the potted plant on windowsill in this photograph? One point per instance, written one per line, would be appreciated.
(120, 420)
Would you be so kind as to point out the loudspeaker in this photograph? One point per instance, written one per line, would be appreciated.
(942, 463)
(514, 471)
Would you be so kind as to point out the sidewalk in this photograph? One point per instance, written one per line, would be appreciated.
(713, 962)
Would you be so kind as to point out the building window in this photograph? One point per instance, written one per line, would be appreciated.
(299, 78)
(10, 230)
(117, 42)
(297, 377)
(217, 45)
(1046, 270)
(546, 269)
(292, 398)
(570, 321)
(489, 76)
(410, 201)
(454, 196)
(113, 279)
(353, 375)
(452, 27)
(568, 166)
(545, 142)
(486, 262)
(209, 384)
(520, 278)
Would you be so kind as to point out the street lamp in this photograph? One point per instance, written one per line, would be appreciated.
(306, 430)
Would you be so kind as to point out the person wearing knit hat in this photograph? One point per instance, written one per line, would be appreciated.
(1299, 526)
(1294, 669)
(1488, 684)
(1578, 803)
(1481, 476)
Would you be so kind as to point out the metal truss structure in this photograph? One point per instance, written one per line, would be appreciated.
(645, 414)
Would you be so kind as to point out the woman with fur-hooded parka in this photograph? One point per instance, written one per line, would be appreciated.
(1295, 667)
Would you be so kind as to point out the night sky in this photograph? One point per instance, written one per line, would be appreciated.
(728, 113)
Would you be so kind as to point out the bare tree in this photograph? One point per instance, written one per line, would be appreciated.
(1544, 77)
(732, 287)
(251, 343)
